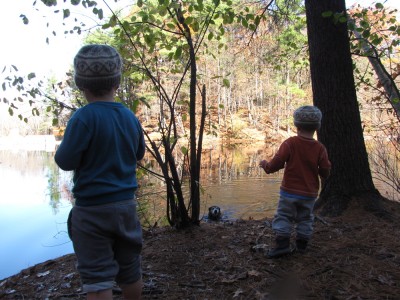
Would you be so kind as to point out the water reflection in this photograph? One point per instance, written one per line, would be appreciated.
(32, 213)
(35, 199)
(230, 178)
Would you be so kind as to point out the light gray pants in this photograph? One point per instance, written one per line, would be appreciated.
(293, 211)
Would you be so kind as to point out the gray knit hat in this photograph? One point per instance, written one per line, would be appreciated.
(307, 117)
(97, 67)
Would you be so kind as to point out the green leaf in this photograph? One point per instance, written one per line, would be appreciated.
(10, 111)
(196, 26)
(100, 14)
(342, 19)
(226, 83)
(202, 190)
(184, 150)
(364, 24)
(379, 5)
(178, 53)
(366, 33)
(140, 3)
(189, 20)
(35, 112)
(66, 13)
(49, 3)
(24, 19)
(31, 76)
(327, 14)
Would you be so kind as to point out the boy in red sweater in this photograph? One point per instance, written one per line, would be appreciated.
(304, 159)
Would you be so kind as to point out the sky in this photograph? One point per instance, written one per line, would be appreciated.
(25, 45)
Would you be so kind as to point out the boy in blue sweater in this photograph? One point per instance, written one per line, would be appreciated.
(102, 143)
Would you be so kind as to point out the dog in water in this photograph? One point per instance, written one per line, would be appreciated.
(214, 213)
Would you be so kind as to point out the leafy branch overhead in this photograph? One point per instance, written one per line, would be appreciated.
(374, 33)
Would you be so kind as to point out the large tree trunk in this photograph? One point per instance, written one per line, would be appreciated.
(334, 93)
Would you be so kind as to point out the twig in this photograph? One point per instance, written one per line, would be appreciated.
(321, 220)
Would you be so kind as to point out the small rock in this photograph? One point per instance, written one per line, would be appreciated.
(66, 285)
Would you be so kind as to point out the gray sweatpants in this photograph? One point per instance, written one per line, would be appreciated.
(107, 240)
(295, 212)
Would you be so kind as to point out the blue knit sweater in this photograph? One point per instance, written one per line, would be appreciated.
(102, 143)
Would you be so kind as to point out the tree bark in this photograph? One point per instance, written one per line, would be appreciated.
(334, 93)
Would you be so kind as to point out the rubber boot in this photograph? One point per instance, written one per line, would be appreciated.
(282, 247)
(301, 245)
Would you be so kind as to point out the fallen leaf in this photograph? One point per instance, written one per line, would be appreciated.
(43, 274)
(238, 293)
(254, 273)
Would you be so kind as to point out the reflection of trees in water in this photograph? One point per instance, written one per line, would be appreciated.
(218, 167)
(59, 186)
(26, 162)
(40, 164)
(229, 164)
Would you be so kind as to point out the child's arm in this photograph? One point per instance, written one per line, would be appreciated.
(273, 166)
(324, 173)
(69, 153)
(264, 164)
(324, 164)
(278, 161)
(142, 145)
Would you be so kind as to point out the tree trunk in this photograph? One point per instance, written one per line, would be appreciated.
(334, 93)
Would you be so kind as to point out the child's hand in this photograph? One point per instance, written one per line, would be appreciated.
(263, 164)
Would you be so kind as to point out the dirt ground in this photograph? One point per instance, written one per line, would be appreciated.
(354, 256)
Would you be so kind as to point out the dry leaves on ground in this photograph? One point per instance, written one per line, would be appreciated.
(355, 256)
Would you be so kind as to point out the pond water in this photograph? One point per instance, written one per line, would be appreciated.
(35, 201)
(32, 216)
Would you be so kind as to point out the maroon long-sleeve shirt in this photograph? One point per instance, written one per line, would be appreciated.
(304, 160)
